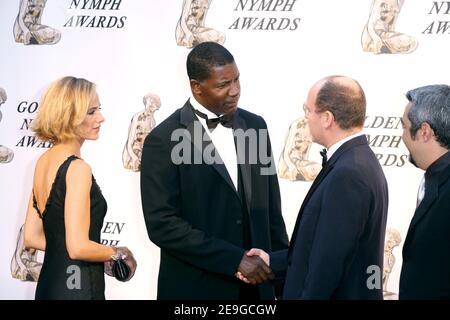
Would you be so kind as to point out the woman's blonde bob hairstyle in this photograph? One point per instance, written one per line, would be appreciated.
(63, 108)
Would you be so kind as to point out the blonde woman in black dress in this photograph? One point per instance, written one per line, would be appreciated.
(66, 207)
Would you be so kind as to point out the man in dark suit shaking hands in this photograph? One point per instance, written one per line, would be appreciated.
(426, 256)
(206, 198)
(337, 243)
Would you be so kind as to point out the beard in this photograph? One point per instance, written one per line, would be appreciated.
(411, 159)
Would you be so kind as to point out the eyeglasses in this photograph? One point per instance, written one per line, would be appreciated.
(308, 111)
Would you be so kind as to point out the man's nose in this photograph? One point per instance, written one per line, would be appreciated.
(235, 89)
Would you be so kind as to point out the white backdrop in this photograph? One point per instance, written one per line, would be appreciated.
(277, 69)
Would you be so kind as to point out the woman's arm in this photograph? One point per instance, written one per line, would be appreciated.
(34, 236)
(77, 216)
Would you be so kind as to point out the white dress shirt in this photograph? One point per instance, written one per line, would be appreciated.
(421, 191)
(223, 140)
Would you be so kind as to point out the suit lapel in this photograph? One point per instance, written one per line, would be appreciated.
(422, 209)
(244, 166)
(431, 195)
(195, 136)
(322, 174)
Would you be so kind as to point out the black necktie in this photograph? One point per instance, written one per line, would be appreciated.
(323, 153)
(226, 120)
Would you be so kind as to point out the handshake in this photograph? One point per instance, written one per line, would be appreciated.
(254, 267)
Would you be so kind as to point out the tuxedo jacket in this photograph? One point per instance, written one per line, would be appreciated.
(194, 213)
(339, 232)
(426, 252)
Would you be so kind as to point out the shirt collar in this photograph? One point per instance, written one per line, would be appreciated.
(331, 150)
(196, 105)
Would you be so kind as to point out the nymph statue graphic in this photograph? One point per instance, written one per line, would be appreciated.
(6, 154)
(294, 164)
(379, 35)
(28, 28)
(141, 124)
(191, 28)
(24, 264)
(393, 239)
(3, 98)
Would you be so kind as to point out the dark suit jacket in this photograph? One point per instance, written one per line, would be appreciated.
(195, 215)
(426, 252)
(339, 231)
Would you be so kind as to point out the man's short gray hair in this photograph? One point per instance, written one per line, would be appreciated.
(431, 104)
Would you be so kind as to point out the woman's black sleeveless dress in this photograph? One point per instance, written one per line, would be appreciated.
(62, 277)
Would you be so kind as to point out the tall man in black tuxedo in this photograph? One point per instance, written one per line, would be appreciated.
(336, 249)
(426, 255)
(206, 202)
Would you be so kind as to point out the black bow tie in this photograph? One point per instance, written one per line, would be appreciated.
(226, 120)
(323, 153)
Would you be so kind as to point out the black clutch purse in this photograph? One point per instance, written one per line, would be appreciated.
(122, 265)
(120, 270)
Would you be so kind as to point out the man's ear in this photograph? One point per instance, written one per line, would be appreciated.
(426, 132)
(195, 87)
(327, 119)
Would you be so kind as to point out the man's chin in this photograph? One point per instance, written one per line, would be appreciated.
(412, 161)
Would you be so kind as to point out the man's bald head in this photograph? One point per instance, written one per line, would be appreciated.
(344, 98)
